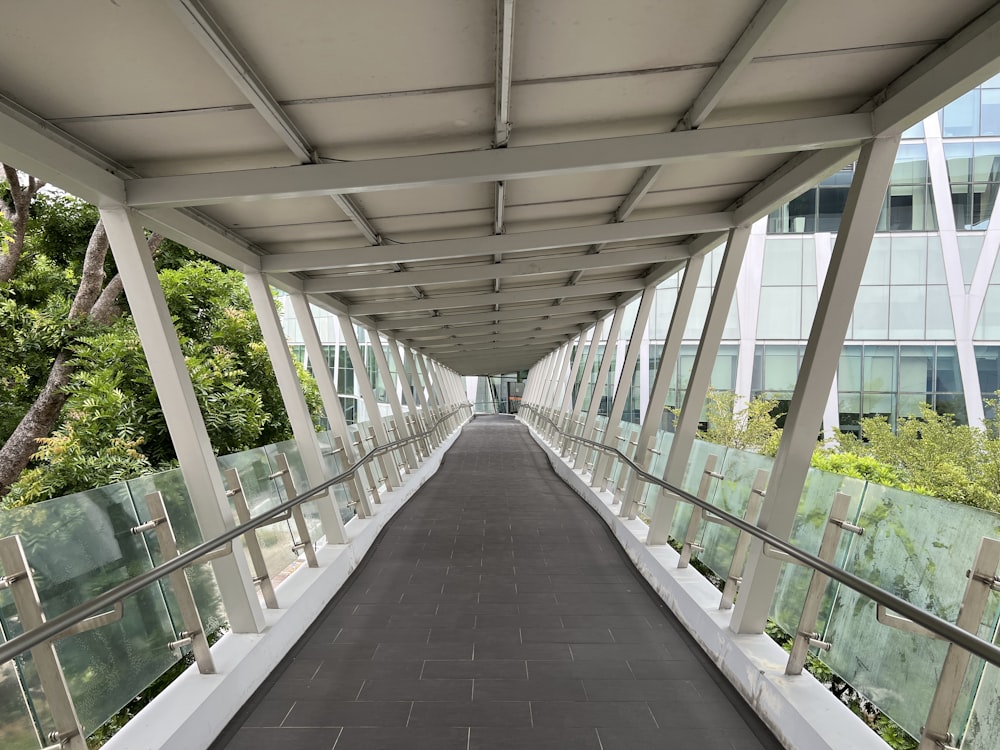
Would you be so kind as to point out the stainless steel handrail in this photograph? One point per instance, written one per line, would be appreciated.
(947, 630)
(51, 628)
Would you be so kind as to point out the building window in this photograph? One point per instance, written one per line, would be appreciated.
(893, 381)
(909, 201)
(974, 174)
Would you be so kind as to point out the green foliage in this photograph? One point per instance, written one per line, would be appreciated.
(112, 427)
(746, 425)
(853, 465)
(930, 454)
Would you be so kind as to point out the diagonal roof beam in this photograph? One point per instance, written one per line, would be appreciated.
(531, 294)
(735, 61)
(464, 167)
(206, 30)
(964, 61)
(505, 270)
(203, 27)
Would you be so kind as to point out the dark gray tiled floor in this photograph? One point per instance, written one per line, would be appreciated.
(495, 612)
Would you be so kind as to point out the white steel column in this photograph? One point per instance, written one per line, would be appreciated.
(566, 402)
(327, 391)
(393, 397)
(404, 377)
(748, 291)
(964, 314)
(831, 415)
(182, 414)
(537, 378)
(644, 354)
(562, 373)
(588, 367)
(548, 395)
(664, 372)
(365, 384)
(417, 380)
(822, 356)
(699, 381)
(610, 349)
(624, 386)
(295, 403)
(433, 392)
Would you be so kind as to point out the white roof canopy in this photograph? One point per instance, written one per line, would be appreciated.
(481, 180)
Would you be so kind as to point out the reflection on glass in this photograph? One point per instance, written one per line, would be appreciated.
(79, 546)
(919, 549)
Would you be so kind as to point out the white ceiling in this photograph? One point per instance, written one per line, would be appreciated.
(392, 106)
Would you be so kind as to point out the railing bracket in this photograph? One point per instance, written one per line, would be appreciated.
(816, 642)
(148, 526)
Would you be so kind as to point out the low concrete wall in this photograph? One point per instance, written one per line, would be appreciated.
(802, 713)
(191, 712)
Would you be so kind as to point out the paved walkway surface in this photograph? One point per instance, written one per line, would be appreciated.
(496, 612)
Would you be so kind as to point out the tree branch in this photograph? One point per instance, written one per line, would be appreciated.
(21, 197)
(92, 273)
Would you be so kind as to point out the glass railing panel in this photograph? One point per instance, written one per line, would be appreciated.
(918, 548)
(17, 731)
(700, 451)
(628, 432)
(739, 469)
(661, 443)
(298, 471)
(170, 484)
(261, 493)
(982, 730)
(807, 533)
(334, 463)
(79, 546)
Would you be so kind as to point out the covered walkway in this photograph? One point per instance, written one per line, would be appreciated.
(496, 612)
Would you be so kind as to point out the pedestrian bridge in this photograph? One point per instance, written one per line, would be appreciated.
(481, 189)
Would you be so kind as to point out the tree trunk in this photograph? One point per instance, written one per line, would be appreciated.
(21, 196)
(37, 423)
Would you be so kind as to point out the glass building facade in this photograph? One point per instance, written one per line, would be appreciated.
(926, 323)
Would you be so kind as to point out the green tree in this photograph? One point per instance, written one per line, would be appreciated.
(737, 423)
(81, 409)
(929, 453)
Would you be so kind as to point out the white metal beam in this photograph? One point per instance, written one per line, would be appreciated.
(293, 398)
(526, 313)
(498, 164)
(183, 416)
(466, 247)
(505, 50)
(523, 335)
(699, 380)
(459, 333)
(494, 344)
(819, 365)
(964, 61)
(738, 58)
(532, 294)
(203, 27)
(43, 151)
(504, 270)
